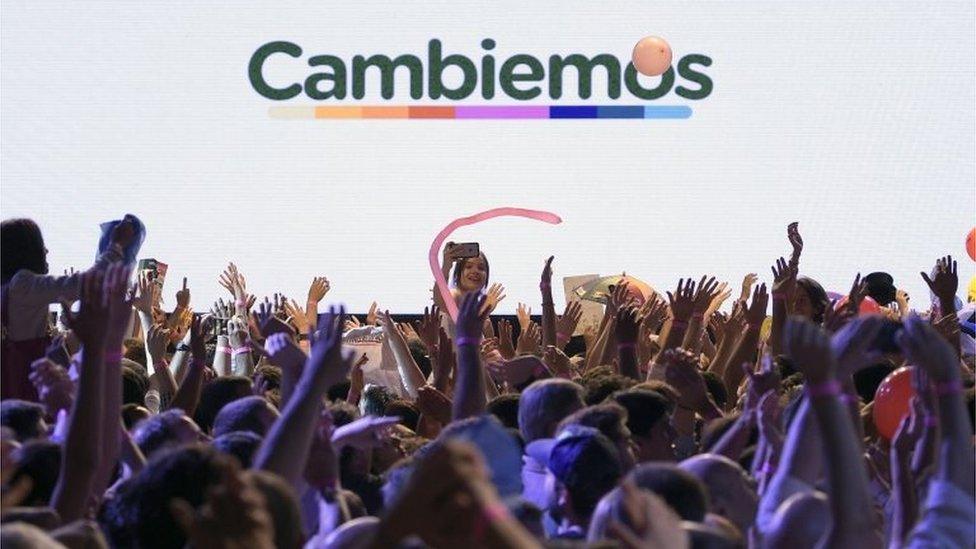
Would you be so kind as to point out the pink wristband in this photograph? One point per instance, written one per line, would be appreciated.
(468, 341)
(827, 388)
(626, 346)
(240, 303)
(779, 296)
(848, 399)
(241, 351)
(562, 337)
(953, 387)
(113, 357)
(224, 349)
(679, 324)
(198, 362)
(491, 514)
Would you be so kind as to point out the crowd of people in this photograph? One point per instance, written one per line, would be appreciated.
(693, 418)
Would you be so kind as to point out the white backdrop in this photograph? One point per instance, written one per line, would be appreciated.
(854, 118)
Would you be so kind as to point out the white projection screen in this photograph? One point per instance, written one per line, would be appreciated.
(855, 119)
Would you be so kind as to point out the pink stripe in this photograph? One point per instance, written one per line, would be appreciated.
(523, 111)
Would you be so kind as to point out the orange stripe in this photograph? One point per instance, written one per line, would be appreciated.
(431, 112)
(338, 112)
(386, 112)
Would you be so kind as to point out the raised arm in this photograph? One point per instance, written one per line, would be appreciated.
(809, 348)
(82, 447)
(285, 448)
(410, 373)
(469, 387)
(549, 333)
(187, 396)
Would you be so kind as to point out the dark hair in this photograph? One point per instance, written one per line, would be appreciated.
(158, 432)
(588, 466)
(681, 490)
(240, 444)
(134, 386)
(217, 394)
(419, 353)
(408, 412)
(243, 414)
(644, 409)
(375, 400)
(505, 408)
(339, 391)
(40, 460)
(818, 296)
(608, 418)
(867, 380)
(139, 515)
(22, 417)
(459, 268)
(131, 415)
(21, 247)
(135, 350)
(600, 388)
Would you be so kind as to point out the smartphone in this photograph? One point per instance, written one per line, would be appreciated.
(466, 249)
(885, 340)
(156, 269)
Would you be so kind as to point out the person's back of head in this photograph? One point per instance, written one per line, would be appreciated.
(282, 504)
(544, 404)
(502, 453)
(139, 515)
(21, 247)
(251, 413)
(505, 408)
(135, 350)
(217, 394)
(586, 465)
(375, 399)
(165, 430)
(680, 489)
(731, 493)
(40, 461)
(610, 419)
(803, 520)
(134, 383)
(649, 422)
(613, 508)
(867, 380)
(132, 414)
(243, 445)
(25, 419)
(599, 388)
(351, 534)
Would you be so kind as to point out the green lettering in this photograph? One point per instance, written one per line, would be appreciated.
(387, 68)
(256, 75)
(584, 69)
(635, 88)
(507, 77)
(700, 78)
(337, 77)
(436, 64)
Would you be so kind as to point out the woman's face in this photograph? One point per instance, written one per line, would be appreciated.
(474, 275)
(802, 306)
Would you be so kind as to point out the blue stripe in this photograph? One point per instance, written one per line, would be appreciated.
(620, 112)
(572, 112)
(660, 111)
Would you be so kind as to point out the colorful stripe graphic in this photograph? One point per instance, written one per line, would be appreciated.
(486, 112)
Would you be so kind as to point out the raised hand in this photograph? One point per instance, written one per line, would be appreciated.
(237, 332)
(851, 345)
(756, 313)
(518, 370)
(566, 324)
(707, 291)
(925, 348)
(784, 279)
(91, 321)
(524, 314)
(529, 340)
(627, 325)
(471, 316)
(765, 380)
(183, 296)
(682, 372)
(506, 339)
(434, 404)
(157, 338)
(317, 290)
(284, 353)
(682, 301)
(494, 296)
(427, 328)
(373, 317)
(297, 316)
(720, 295)
(266, 321)
(54, 388)
(198, 338)
(945, 282)
(619, 296)
(328, 364)
(809, 348)
(557, 362)
(653, 313)
(147, 294)
(365, 433)
(793, 234)
(747, 283)
(233, 281)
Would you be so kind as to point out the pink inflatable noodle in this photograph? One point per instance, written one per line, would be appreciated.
(435, 246)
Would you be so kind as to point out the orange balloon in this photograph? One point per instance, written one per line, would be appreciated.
(891, 401)
(868, 306)
(971, 244)
(652, 56)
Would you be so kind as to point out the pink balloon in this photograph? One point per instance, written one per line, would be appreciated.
(435, 246)
(652, 56)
